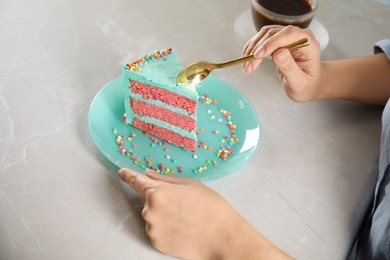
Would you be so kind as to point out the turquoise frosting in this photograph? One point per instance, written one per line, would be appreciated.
(162, 72)
(181, 131)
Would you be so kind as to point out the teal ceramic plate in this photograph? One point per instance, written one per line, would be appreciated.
(228, 134)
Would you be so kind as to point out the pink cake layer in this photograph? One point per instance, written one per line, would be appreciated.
(163, 114)
(169, 136)
(150, 92)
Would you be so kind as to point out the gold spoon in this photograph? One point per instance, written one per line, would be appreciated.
(198, 71)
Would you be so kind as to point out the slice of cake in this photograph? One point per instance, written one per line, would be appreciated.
(157, 105)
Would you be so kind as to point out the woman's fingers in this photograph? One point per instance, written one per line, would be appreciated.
(139, 182)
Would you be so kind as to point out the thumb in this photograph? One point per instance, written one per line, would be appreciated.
(139, 182)
(283, 60)
(292, 76)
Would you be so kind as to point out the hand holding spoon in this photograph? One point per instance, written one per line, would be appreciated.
(198, 71)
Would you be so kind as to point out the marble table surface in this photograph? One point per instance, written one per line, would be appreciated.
(305, 188)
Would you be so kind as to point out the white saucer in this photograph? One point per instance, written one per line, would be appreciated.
(245, 29)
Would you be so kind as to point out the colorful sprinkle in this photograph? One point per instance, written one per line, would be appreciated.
(146, 59)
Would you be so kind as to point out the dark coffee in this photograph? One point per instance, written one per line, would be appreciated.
(290, 8)
(286, 7)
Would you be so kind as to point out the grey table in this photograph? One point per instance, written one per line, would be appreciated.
(305, 188)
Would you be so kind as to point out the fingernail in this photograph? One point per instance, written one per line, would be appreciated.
(243, 66)
(123, 171)
(248, 67)
(259, 53)
(120, 172)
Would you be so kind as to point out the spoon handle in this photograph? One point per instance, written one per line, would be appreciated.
(299, 44)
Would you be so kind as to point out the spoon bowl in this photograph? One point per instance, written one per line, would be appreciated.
(196, 72)
(200, 70)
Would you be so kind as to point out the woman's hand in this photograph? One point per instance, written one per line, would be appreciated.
(186, 219)
(299, 70)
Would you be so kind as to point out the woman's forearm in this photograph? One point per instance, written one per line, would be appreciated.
(246, 243)
(363, 79)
